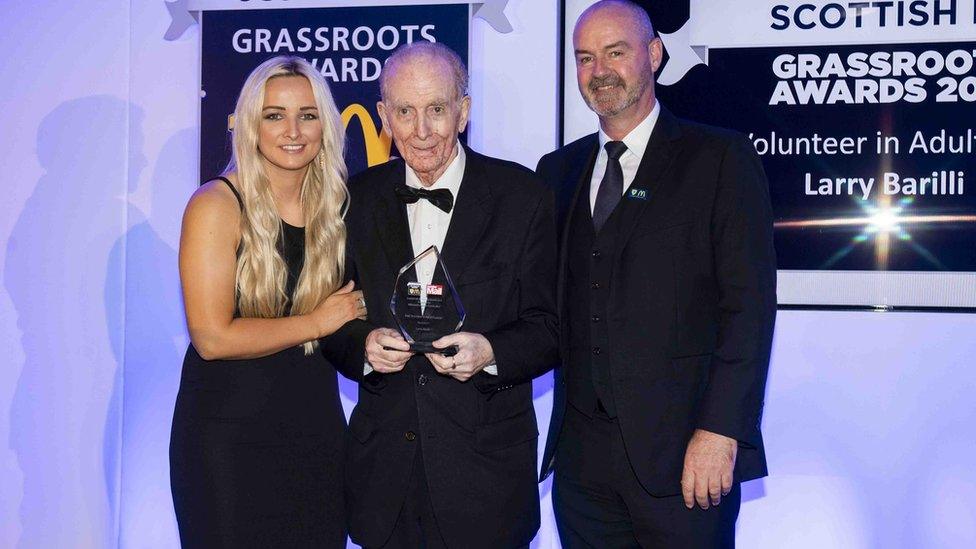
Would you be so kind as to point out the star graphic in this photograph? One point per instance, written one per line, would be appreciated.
(684, 56)
(182, 19)
(493, 12)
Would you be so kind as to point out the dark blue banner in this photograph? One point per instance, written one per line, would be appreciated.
(347, 45)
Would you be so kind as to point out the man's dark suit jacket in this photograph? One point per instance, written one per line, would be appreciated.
(692, 297)
(478, 438)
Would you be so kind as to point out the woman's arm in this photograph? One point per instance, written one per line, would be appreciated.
(208, 263)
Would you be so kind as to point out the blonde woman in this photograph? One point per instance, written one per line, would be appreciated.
(258, 427)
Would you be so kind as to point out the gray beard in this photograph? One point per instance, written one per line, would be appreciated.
(631, 97)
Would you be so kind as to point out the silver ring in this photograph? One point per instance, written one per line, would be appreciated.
(362, 303)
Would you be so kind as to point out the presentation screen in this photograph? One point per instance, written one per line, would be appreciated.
(864, 115)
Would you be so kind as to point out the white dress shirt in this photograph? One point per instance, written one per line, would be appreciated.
(428, 223)
(636, 142)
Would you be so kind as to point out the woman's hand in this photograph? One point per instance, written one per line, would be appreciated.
(342, 306)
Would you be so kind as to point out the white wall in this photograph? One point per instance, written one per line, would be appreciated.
(869, 433)
(164, 90)
(64, 94)
(868, 420)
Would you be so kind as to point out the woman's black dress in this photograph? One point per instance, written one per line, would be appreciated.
(255, 450)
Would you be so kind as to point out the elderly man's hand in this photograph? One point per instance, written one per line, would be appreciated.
(386, 350)
(707, 474)
(474, 353)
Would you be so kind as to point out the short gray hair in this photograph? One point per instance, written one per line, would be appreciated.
(427, 49)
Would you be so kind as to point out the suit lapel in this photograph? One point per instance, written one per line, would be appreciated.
(580, 175)
(391, 222)
(470, 218)
(657, 157)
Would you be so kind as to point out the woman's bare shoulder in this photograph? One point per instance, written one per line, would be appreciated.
(213, 206)
(214, 197)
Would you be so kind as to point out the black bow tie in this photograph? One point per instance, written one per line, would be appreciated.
(442, 198)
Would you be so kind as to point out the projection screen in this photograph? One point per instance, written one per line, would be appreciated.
(862, 113)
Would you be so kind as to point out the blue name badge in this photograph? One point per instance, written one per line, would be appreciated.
(637, 194)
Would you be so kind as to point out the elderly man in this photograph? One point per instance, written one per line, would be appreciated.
(442, 451)
(667, 303)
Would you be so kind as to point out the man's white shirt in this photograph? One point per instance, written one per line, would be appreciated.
(428, 223)
(636, 142)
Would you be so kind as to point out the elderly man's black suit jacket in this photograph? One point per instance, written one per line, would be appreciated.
(692, 297)
(478, 438)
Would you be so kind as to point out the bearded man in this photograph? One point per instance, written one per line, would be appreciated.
(667, 299)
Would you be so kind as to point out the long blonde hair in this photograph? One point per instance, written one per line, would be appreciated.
(261, 270)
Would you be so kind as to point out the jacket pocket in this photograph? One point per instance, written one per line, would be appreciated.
(507, 432)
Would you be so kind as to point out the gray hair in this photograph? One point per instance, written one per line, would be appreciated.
(429, 50)
(638, 15)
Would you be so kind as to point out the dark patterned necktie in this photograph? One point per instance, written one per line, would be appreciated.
(612, 186)
(442, 198)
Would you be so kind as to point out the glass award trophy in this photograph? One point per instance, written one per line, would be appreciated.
(426, 312)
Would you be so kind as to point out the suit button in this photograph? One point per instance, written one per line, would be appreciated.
(595, 285)
(596, 254)
(410, 435)
(422, 379)
(595, 318)
(596, 350)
